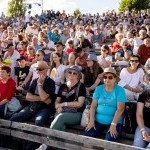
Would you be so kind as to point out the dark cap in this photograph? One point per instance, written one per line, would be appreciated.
(9, 45)
(21, 58)
(58, 43)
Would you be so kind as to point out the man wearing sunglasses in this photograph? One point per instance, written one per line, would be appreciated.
(41, 95)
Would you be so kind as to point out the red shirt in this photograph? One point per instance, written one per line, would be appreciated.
(7, 90)
(22, 52)
(144, 53)
(69, 50)
(115, 47)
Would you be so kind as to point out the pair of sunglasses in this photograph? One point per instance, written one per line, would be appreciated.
(108, 77)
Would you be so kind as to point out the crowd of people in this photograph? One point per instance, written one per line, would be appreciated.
(59, 60)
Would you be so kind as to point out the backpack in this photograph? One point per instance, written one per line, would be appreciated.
(130, 122)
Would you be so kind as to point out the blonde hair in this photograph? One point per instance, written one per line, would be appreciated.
(123, 40)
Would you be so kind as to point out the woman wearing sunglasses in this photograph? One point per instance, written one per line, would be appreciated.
(105, 59)
(70, 100)
(107, 107)
(132, 78)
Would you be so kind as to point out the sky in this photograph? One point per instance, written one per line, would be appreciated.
(85, 6)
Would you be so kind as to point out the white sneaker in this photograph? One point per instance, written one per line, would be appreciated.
(42, 147)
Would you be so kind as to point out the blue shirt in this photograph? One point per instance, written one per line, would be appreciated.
(107, 103)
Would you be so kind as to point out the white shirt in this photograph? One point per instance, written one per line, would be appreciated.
(30, 30)
(27, 18)
(137, 42)
(33, 70)
(133, 79)
(13, 58)
(100, 59)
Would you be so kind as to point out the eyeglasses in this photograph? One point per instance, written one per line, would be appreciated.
(136, 61)
(108, 77)
(74, 73)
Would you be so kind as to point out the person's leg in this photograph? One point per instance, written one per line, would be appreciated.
(40, 120)
(42, 117)
(62, 119)
(2, 109)
(94, 132)
(23, 115)
(108, 136)
(138, 139)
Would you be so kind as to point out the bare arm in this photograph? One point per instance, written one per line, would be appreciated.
(97, 81)
(32, 98)
(139, 115)
(16, 80)
(119, 111)
(76, 104)
(43, 95)
(4, 101)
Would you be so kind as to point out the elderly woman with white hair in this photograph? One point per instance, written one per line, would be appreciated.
(123, 54)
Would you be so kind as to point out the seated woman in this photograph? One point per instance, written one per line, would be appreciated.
(70, 100)
(92, 73)
(105, 59)
(57, 70)
(107, 107)
(142, 138)
(7, 87)
(123, 54)
(131, 78)
(147, 66)
(30, 55)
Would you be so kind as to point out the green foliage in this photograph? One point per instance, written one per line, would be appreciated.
(16, 8)
(77, 12)
(134, 5)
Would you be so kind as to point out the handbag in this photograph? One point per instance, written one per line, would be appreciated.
(85, 116)
(13, 105)
(72, 109)
(130, 123)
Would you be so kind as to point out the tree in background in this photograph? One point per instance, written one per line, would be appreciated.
(76, 13)
(134, 5)
(16, 8)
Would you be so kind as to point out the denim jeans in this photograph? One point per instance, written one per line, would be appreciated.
(99, 128)
(41, 117)
(138, 139)
(2, 109)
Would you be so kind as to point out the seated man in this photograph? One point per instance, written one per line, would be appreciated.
(41, 95)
